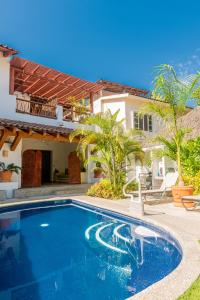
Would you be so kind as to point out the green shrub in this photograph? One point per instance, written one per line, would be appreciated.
(194, 181)
(190, 156)
(131, 187)
(103, 189)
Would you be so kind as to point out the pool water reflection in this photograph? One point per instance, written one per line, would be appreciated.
(72, 252)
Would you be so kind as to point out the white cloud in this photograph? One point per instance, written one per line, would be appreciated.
(190, 66)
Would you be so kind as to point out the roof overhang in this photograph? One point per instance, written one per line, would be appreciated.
(43, 82)
(7, 51)
(119, 88)
(18, 130)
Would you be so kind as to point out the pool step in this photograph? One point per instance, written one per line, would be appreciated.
(108, 238)
(103, 234)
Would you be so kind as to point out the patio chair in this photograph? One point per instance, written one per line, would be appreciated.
(166, 186)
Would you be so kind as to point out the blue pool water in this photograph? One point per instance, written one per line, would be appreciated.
(75, 252)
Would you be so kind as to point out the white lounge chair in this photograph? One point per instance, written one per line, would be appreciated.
(166, 186)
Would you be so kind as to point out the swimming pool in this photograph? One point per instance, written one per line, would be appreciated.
(67, 250)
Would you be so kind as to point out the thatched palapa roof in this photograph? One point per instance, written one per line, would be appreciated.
(191, 121)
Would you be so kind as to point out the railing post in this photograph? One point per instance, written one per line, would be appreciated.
(59, 113)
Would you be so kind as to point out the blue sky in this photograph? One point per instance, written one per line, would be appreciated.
(105, 39)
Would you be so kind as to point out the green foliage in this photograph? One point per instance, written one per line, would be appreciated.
(10, 167)
(131, 187)
(80, 106)
(190, 156)
(110, 145)
(194, 181)
(104, 189)
(171, 95)
(193, 293)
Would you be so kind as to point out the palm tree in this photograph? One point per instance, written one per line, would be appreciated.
(110, 145)
(171, 95)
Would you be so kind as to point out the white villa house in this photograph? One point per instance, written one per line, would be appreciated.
(37, 115)
(129, 101)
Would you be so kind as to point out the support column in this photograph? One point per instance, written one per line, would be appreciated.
(91, 101)
(89, 168)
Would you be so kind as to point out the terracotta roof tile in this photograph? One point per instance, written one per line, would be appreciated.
(34, 126)
(121, 88)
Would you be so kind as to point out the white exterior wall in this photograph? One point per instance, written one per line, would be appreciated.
(13, 157)
(97, 106)
(7, 101)
(114, 106)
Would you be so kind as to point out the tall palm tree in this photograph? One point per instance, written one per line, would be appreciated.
(110, 145)
(171, 95)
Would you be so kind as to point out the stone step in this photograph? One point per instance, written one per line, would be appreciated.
(52, 190)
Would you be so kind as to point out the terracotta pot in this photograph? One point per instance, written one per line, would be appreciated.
(98, 174)
(5, 176)
(178, 192)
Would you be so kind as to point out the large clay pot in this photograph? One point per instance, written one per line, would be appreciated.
(5, 176)
(98, 173)
(178, 192)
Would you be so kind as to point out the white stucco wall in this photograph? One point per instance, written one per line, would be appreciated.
(13, 157)
(97, 106)
(114, 106)
(7, 102)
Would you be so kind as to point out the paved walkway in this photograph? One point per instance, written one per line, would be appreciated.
(184, 225)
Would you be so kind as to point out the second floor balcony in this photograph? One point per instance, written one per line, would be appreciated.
(44, 93)
(52, 111)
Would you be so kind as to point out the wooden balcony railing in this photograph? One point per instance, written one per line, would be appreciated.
(74, 115)
(35, 108)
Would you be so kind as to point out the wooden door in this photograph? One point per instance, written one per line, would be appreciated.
(74, 168)
(31, 168)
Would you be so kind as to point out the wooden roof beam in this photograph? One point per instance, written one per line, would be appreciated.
(16, 141)
(4, 135)
(66, 88)
(77, 88)
(56, 81)
(29, 75)
(34, 83)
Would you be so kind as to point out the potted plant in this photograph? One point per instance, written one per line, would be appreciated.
(171, 95)
(6, 171)
(83, 175)
(98, 171)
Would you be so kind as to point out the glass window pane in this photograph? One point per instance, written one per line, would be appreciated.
(145, 122)
(150, 124)
(136, 121)
(141, 127)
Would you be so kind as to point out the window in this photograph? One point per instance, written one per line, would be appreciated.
(143, 122)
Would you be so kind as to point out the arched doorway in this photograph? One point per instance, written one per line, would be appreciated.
(31, 168)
